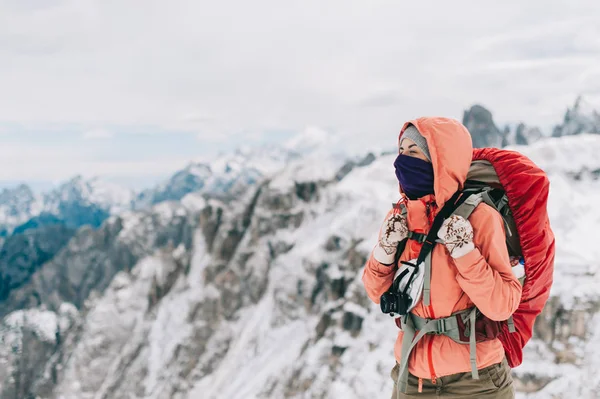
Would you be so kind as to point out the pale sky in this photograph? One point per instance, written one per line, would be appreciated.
(106, 87)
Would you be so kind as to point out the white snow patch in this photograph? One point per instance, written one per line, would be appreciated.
(43, 322)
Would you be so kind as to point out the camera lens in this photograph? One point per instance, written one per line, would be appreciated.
(387, 302)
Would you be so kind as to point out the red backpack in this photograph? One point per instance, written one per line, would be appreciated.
(526, 187)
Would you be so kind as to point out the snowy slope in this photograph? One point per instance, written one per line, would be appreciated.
(352, 210)
(571, 358)
(274, 338)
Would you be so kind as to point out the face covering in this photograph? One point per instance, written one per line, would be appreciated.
(415, 176)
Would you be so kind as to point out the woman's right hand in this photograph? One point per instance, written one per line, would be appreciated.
(393, 230)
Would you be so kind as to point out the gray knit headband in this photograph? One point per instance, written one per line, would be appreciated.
(412, 133)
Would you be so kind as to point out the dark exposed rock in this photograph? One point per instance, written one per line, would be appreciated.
(160, 287)
(520, 138)
(355, 258)
(210, 221)
(505, 136)
(22, 254)
(324, 323)
(338, 351)
(350, 165)
(92, 258)
(29, 366)
(338, 288)
(320, 283)
(307, 191)
(352, 322)
(344, 170)
(333, 243)
(278, 202)
(328, 287)
(480, 124)
(279, 248)
(367, 160)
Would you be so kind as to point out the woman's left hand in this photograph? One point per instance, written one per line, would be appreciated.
(457, 235)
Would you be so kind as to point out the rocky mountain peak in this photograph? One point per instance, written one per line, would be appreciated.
(480, 124)
(582, 117)
(485, 133)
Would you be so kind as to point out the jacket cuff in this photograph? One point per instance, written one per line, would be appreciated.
(382, 257)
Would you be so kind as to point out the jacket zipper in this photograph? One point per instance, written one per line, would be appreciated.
(431, 312)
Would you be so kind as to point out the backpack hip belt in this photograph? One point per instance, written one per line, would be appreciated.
(466, 327)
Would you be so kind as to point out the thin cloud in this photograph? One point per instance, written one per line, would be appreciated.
(219, 70)
(56, 163)
(96, 134)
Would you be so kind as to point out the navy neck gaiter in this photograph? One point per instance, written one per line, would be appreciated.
(415, 176)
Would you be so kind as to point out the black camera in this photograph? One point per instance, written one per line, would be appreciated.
(395, 302)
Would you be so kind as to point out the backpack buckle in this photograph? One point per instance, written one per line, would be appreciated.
(441, 327)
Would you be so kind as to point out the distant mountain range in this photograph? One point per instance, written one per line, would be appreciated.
(578, 119)
(33, 228)
(74, 203)
(80, 201)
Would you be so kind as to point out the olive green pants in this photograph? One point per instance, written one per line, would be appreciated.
(494, 381)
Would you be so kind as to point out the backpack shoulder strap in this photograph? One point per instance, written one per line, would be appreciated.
(483, 195)
(468, 206)
(459, 198)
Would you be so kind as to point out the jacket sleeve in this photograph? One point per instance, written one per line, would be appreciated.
(485, 274)
(377, 277)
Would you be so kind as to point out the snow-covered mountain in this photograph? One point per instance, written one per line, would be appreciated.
(105, 195)
(74, 203)
(262, 297)
(581, 118)
(226, 176)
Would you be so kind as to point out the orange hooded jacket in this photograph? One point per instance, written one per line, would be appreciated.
(481, 278)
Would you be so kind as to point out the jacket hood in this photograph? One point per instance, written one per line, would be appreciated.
(451, 152)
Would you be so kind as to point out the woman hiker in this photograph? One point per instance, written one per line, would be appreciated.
(469, 268)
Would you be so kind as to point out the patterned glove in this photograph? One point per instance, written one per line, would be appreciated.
(393, 230)
(457, 234)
